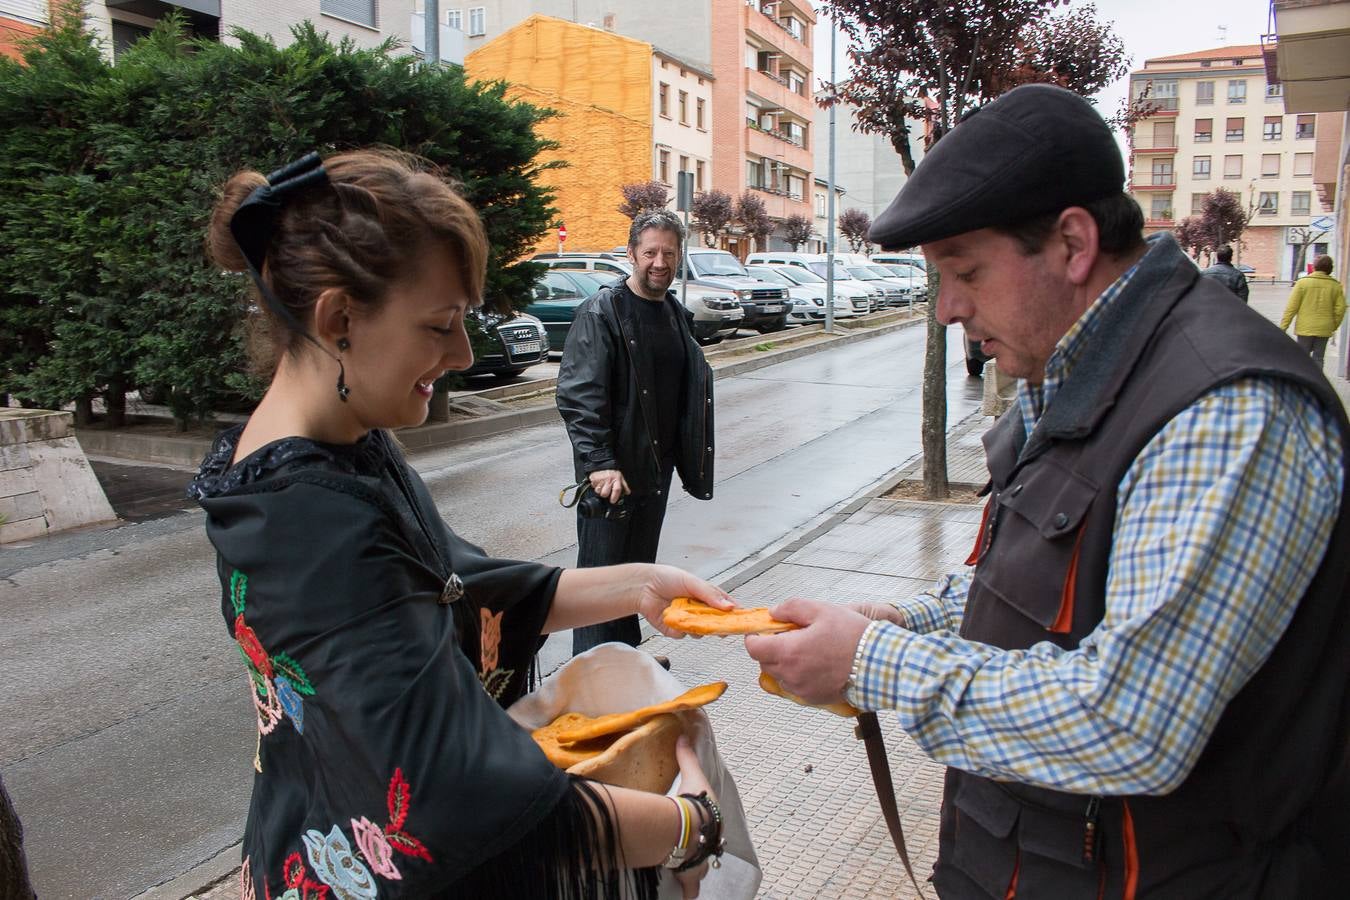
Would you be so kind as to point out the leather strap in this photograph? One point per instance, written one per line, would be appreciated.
(869, 732)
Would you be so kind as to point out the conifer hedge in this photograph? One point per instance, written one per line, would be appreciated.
(108, 173)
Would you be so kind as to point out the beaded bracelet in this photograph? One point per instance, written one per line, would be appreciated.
(710, 840)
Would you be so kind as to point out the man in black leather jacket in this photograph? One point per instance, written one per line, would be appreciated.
(1225, 273)
(636, 396)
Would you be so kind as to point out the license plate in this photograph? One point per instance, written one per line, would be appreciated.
(525, 347)
(773, 307)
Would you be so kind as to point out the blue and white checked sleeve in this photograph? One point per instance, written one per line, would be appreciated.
(1222, 522)
(940, 608)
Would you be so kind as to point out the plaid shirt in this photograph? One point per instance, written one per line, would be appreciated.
(1222, 521)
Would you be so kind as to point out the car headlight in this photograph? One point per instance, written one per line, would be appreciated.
(746, 294)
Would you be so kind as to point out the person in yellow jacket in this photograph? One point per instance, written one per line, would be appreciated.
(1318, 304)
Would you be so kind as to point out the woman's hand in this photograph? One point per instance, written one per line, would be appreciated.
(692, 781)
(664, 583)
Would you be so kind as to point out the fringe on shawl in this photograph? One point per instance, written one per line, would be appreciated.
(567, 856)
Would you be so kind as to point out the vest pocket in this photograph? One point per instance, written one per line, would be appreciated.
(1032, 541)
(998, 833)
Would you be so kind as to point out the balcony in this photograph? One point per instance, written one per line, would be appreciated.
(769, 30)
(1309, 54)
(774, 91)
(1155, 185)
(776, 146)
(1148, 146)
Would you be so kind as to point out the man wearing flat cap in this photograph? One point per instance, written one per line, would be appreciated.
(1141, 682)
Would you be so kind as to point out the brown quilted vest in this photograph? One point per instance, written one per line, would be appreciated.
(1266, 810)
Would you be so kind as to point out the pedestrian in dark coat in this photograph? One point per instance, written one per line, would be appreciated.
(636, 395)
(1225, 273)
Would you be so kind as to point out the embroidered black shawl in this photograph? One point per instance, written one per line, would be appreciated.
(376, 642)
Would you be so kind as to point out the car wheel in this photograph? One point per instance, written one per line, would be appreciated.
(779, 325)
(974, 368)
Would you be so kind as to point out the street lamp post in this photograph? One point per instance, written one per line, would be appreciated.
(829, 187)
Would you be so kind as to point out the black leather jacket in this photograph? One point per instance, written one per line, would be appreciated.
(604, 370)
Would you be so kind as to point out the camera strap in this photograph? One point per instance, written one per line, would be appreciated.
(581, 487)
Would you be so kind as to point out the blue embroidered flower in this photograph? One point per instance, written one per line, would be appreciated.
(291, 702)
(335, 865)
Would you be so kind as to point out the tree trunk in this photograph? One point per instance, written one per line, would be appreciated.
(115, 399)
(934, 428)
(84, 411)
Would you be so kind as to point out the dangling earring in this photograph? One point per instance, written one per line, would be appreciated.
(342, 390)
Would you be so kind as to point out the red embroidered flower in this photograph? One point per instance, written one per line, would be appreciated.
(252, 647)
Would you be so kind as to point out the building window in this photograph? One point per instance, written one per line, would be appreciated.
(698, 175)
(362, 12)
(684, 164)
(663, 167)
(1273, 129)
(1270, 165)
(1164, 135)
(1237, 90)
(1274, 91)
(1164, 94)
(1204, 93)
(753, 177)
(1200, 167)
(1162, 171)
(1198, 203)
(1161, 208)
(684, 107)
(455, 19)
(1268, 203)
(1305, 127)
(1233, 131)
(663, 100)
(1300, 203)
(477, 21)
(797, 84)
(1303, 163)
(1204, 131)
(699, 105)
(1232, 166)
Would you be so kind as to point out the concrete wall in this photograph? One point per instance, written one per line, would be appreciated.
(46, 484)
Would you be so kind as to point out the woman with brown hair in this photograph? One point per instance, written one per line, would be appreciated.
(382, 647)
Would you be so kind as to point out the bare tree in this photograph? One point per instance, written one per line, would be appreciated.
(641, 196)
(853, 224)
(753, 217)
(920, 65)
(797, 230)
(1302, 238)
(712, 213)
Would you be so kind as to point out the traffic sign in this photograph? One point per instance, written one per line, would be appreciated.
(562, 232)
(1322, 223)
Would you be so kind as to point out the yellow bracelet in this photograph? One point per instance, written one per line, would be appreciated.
(680, 850)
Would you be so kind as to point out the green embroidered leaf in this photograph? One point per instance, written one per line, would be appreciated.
(286, 665)
(238, 588)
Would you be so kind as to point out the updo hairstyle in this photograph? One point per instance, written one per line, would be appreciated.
(380, 213)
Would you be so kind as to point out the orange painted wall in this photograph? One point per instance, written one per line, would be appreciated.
(11, 33)
(601, 84)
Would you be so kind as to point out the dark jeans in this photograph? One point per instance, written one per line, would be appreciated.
(1317, 346)
(608, 542)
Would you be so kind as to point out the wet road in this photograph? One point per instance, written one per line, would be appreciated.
(125, 726)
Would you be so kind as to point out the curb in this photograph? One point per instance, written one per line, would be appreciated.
(188, 452)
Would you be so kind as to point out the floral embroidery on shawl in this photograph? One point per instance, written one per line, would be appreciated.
(494, 679)
(278, 680)
(337, 867)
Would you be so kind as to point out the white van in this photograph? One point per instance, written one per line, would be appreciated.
(912, 259)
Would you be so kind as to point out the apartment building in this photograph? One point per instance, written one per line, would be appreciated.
(759, 54)
(1217, 123)
(121, 23)
(628, 113)
(820, 237)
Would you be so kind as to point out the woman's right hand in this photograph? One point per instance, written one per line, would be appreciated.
(692, 781)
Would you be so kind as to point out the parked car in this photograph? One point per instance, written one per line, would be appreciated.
(817, 264)
(894, 293)
(765, 305)
(521, 342)
(905, 272)
(917, 260)
(807, 293)
(717, 311)
(557, 295)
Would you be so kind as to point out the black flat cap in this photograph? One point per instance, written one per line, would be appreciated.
(1037, 149)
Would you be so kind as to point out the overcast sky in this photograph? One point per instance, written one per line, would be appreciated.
(1149, 28)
